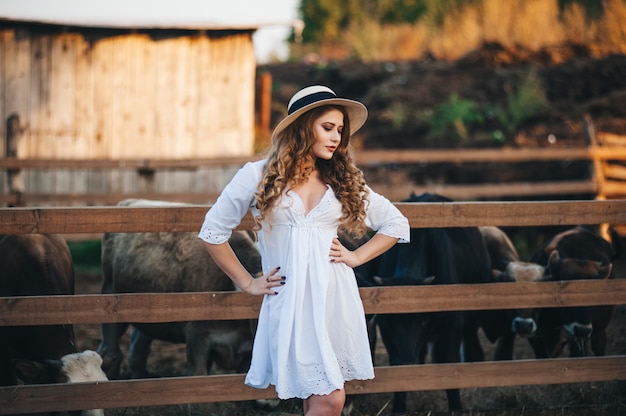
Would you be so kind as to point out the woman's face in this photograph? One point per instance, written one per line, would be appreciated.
(327, 134)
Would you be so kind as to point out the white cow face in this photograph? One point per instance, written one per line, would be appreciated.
(79, 367)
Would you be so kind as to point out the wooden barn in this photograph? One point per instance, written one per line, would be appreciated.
(109, 92)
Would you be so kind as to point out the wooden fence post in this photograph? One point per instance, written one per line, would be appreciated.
(145, 179)
(592, 143)
(14, 176)
(264, 112)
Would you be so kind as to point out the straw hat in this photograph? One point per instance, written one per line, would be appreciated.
(317, 96)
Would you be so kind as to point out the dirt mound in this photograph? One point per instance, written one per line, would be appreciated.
(398, 94)
(496, 55)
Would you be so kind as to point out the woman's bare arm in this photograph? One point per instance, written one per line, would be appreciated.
(225, 258)
(376, 246)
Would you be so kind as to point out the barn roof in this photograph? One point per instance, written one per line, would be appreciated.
(154, 25)
(144, 14)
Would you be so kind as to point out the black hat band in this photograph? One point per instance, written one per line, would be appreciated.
(310, 99)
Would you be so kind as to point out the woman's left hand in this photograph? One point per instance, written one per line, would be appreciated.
(340, 254)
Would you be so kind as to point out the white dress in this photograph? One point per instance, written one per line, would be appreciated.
(311, 336)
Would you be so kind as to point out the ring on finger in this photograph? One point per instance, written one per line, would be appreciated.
(268, 279)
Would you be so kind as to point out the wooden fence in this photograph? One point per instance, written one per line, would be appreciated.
(89, 309)
(607, 179)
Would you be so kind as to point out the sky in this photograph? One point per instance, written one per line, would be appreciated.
(273, 17)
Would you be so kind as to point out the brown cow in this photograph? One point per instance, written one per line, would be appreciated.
(503, 326)
(32, 265)
(576, 254)
(174, 262)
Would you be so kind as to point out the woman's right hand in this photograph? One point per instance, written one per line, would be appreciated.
(265, 284)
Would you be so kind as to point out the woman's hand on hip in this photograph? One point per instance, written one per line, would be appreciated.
(265, 284)
(340, 254)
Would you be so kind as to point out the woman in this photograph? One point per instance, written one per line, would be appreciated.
(311, 335)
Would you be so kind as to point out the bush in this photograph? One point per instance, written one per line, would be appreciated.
(454, 118)
(523, 101)
(457, 117)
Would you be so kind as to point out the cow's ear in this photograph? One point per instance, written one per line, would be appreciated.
(553, 266)
(35, 372)
(605, 271)
(554, 256)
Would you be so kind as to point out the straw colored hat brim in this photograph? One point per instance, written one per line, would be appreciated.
(317, 96)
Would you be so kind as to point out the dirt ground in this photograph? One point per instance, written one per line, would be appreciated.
(584, 399)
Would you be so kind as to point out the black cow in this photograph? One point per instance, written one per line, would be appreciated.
(434, 256)
(576, 254)
(502, 326)
(41, 265)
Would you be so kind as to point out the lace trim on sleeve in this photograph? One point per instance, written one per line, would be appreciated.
(395, 230)
(213, 237)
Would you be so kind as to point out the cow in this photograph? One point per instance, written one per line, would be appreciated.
(165, 262)
(41, 265)
(575, 254)
(502, 326)
(434, 256)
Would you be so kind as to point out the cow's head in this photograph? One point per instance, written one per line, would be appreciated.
(522, 320)
(520, 271)
(577, 269)
(72, 368)
(577, 320)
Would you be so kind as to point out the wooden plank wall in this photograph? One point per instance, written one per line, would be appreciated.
(128, 95)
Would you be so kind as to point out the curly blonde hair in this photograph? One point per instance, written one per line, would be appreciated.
(289, 163)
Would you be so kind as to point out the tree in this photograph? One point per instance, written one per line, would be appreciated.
(325, 20)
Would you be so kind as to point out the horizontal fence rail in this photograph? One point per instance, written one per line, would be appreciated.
(394, 193)
(113, 198)
(397, 192)
(362, 157)
(205, 389)
(232, 305)
(365, 158)
(173, 307)
(421, 215)
(507, 155)
(133, 164)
